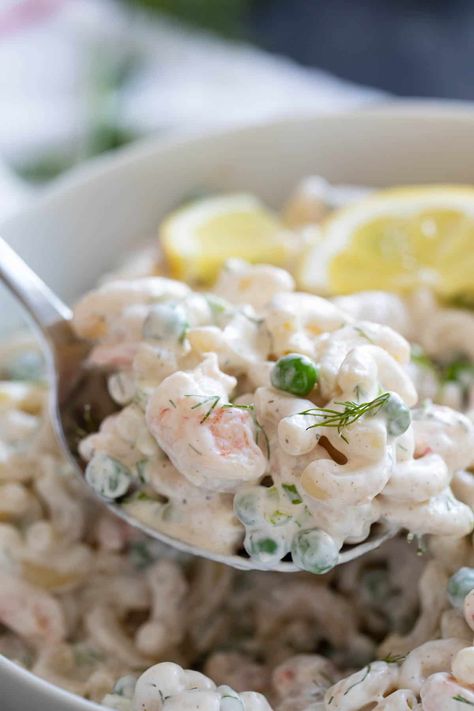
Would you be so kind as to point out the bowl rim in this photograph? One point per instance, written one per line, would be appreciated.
(418, 110)
(48, 691)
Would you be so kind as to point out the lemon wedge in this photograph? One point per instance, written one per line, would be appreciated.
(396, 240)
(198, 238)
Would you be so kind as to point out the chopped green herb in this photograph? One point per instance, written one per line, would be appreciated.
(140, 496)
(419, 357)
(394, 658)
(218, 306)
(358, 682)
(253, 319)
(278, 518)
(250, 407)
(260, 431)
(457, 370)
(363, 334)
(292, 493)
(204, 400)
(194, 449)
(140, 468)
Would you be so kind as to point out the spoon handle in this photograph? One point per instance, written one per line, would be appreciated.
(44, 307)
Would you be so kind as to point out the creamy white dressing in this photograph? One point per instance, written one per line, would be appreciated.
(203, 408)
(97, 609)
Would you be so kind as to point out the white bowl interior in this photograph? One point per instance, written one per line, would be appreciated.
(77, 230)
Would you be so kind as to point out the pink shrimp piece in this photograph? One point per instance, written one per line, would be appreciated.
(99, 309)
(211, 444)
(217, 452)
(230, 431)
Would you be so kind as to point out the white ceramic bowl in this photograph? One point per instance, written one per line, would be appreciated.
(78, 229)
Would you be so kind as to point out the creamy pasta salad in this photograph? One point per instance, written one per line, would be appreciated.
(249, 414)
(261, 415)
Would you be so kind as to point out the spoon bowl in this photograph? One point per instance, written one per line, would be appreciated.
(80, 401)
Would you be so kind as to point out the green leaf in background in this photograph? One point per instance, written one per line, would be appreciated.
(110, 69)
(113, 67)
(227, 17)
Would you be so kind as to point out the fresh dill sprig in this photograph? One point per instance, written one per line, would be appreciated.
(341, 419)
(253, 319)
(196, 451)
(363, 334)
(261, 431)
(237, 406)
(356, 683)
(394, 658)
(213, 401)
(204, 400)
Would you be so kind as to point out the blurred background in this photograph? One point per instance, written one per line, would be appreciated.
(81, 77)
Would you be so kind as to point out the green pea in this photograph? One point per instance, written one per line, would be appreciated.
(107, 476)
(165, 322)
(397, 414)
(294, 373)
(249, 505)
(220, 308)
(125, 686)
(230, 699)
(459, 585)
(265, 546)
(315, 551)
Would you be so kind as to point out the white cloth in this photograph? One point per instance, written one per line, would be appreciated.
(186, 79)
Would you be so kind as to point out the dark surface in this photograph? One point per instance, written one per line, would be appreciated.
(408, 47)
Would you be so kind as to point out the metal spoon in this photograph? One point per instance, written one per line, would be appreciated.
(77, 388)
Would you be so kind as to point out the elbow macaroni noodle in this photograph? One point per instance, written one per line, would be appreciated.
(202, 433)
(201, 423)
